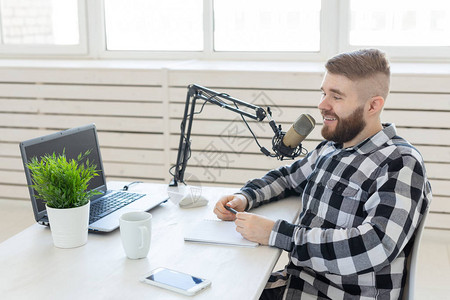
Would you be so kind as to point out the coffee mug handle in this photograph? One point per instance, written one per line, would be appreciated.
(144, 236)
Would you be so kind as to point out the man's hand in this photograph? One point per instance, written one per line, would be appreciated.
(253, 227)
(238, 202)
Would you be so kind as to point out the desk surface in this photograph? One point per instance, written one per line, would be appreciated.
(31, 267)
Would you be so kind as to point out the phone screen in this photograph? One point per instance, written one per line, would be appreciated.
(175, 279)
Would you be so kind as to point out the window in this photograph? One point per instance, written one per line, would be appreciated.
(212, 26)
(224, 29)
(416, 30)
(266, 25)
(40, 26)
(154, 25)
(392, 23)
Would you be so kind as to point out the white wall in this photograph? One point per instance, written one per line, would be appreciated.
(138, 106)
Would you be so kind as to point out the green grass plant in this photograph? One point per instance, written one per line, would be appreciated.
(60, 182)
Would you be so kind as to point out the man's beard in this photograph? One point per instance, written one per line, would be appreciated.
(346, 129)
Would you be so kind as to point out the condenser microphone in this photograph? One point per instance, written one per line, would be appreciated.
(289, 144)
(301, 128)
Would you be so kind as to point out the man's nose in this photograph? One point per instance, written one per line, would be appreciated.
(323, 103)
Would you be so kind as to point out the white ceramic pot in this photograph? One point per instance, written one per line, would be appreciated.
(69, 226)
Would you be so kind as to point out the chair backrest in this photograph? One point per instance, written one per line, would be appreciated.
(408, 292)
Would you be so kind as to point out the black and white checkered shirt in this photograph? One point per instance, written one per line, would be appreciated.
(360, 209)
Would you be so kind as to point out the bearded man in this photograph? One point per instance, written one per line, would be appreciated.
(363, 191)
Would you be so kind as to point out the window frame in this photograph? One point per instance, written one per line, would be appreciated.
(208, 52)
(334, 31)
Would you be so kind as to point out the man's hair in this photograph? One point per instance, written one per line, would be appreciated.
(363, 64)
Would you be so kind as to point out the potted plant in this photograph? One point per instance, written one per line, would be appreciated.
(63, 185)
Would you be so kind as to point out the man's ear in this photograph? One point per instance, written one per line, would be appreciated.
(375, 104)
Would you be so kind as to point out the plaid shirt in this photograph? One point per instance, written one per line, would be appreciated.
(360, 209)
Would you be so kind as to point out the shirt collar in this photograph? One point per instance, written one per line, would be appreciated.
(372, 143)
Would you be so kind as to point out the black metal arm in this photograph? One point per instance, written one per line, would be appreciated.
(194, 93)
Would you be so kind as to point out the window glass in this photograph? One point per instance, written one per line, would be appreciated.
(266, 25)
(400, 23)
(39, 22)
(154, 25)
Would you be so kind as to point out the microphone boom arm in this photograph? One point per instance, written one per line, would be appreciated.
(194, 93)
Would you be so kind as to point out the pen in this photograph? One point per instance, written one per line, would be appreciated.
(231, 209)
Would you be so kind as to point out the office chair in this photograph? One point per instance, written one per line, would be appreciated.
(408, 292)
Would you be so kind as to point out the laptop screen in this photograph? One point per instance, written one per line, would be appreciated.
(73, 141)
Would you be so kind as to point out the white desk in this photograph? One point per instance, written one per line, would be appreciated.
(31, 267)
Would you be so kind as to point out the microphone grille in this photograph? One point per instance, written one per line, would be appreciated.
(304, 124)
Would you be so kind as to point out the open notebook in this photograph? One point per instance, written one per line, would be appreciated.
(217, 232)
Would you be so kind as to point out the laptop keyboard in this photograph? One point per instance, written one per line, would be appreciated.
(111, 203)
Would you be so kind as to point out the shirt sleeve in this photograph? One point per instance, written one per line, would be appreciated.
(393, 211)
(282, 182)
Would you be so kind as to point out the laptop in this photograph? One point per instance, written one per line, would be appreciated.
(105, 208)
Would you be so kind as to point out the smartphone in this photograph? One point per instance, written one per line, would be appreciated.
(176, 281)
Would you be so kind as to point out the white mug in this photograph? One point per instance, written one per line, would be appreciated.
(136, 232)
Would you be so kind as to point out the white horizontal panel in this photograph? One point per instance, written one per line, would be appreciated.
(108, 155)
(440, 204)
(224, 128)
(82, 76)
(112, 155)
(238, 145)
(132, 155)
(19, 105)
(90, 107)
(102, 108)
(418, 83)
(22, 134)
(106, 139)
(425, 136)
(103, 123)
(14, 192)
(439, 171)
(231, 160)
(225, 144)
(11, 163)
(214, 112)
(440, 187)
(9, 149)
(134, 170)
(216, 175)
(12, 177)
(435, 153)
(430, 119)
(49, 91)
(246, 79)
(438, 220)
(260, 97)
(419, 101)
(228, 129)
(131, 140)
